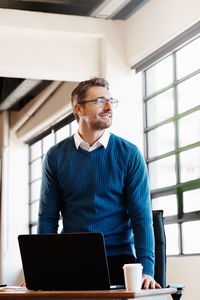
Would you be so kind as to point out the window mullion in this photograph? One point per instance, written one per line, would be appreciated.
(144, 88)
(29, 190)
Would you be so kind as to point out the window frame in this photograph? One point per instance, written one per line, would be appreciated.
(52, 130)
(180, 187)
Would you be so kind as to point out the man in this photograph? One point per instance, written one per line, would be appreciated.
(99, 183)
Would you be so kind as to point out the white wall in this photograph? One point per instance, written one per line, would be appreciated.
(14, 204)
(128, 117)
(156, 23)
(58, 47)
(14, 209)
(185, 270)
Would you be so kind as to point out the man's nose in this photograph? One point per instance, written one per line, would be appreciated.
(108, 106)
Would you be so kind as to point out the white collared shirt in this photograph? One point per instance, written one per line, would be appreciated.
(102, 141)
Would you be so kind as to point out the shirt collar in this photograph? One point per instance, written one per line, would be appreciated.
(102, 141)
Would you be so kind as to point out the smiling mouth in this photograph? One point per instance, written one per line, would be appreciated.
(107, 116)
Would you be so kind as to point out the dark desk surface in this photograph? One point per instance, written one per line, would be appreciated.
(108, 294)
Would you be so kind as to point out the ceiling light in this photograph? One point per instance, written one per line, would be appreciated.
(109, 8)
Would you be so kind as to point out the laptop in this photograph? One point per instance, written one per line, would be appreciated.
(69, 261)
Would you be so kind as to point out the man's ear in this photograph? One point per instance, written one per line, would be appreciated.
(78, 109)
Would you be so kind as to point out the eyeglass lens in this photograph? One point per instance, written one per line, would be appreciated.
(103, 101)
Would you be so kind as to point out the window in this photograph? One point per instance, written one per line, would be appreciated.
(172, 144)
(37, 151)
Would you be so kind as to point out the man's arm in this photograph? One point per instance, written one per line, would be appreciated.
(50, 196)
(139, 207)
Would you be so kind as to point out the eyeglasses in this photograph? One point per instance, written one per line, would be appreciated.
(101, 101)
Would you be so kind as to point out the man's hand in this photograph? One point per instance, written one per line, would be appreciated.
(148, 282)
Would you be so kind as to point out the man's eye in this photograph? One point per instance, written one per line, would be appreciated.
(100, 100)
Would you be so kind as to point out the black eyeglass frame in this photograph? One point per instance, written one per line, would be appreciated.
(111, 101)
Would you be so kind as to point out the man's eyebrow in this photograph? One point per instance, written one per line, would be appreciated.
(103, 97)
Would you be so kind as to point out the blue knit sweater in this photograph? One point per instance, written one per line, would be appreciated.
(105, 190)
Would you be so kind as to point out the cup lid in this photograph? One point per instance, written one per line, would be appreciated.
(136, 265)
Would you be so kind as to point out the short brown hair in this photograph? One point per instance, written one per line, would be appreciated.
(80, 91)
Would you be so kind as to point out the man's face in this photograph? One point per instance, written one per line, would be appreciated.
(94, 116)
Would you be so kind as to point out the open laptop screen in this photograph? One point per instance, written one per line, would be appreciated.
(72, 261)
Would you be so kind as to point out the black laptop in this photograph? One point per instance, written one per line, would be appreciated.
(72, 261)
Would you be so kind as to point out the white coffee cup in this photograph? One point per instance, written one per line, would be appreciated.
(133, 276)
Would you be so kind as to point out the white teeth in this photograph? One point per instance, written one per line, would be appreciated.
(107, 116)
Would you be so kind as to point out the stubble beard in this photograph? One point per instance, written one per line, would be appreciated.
(99, 125)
